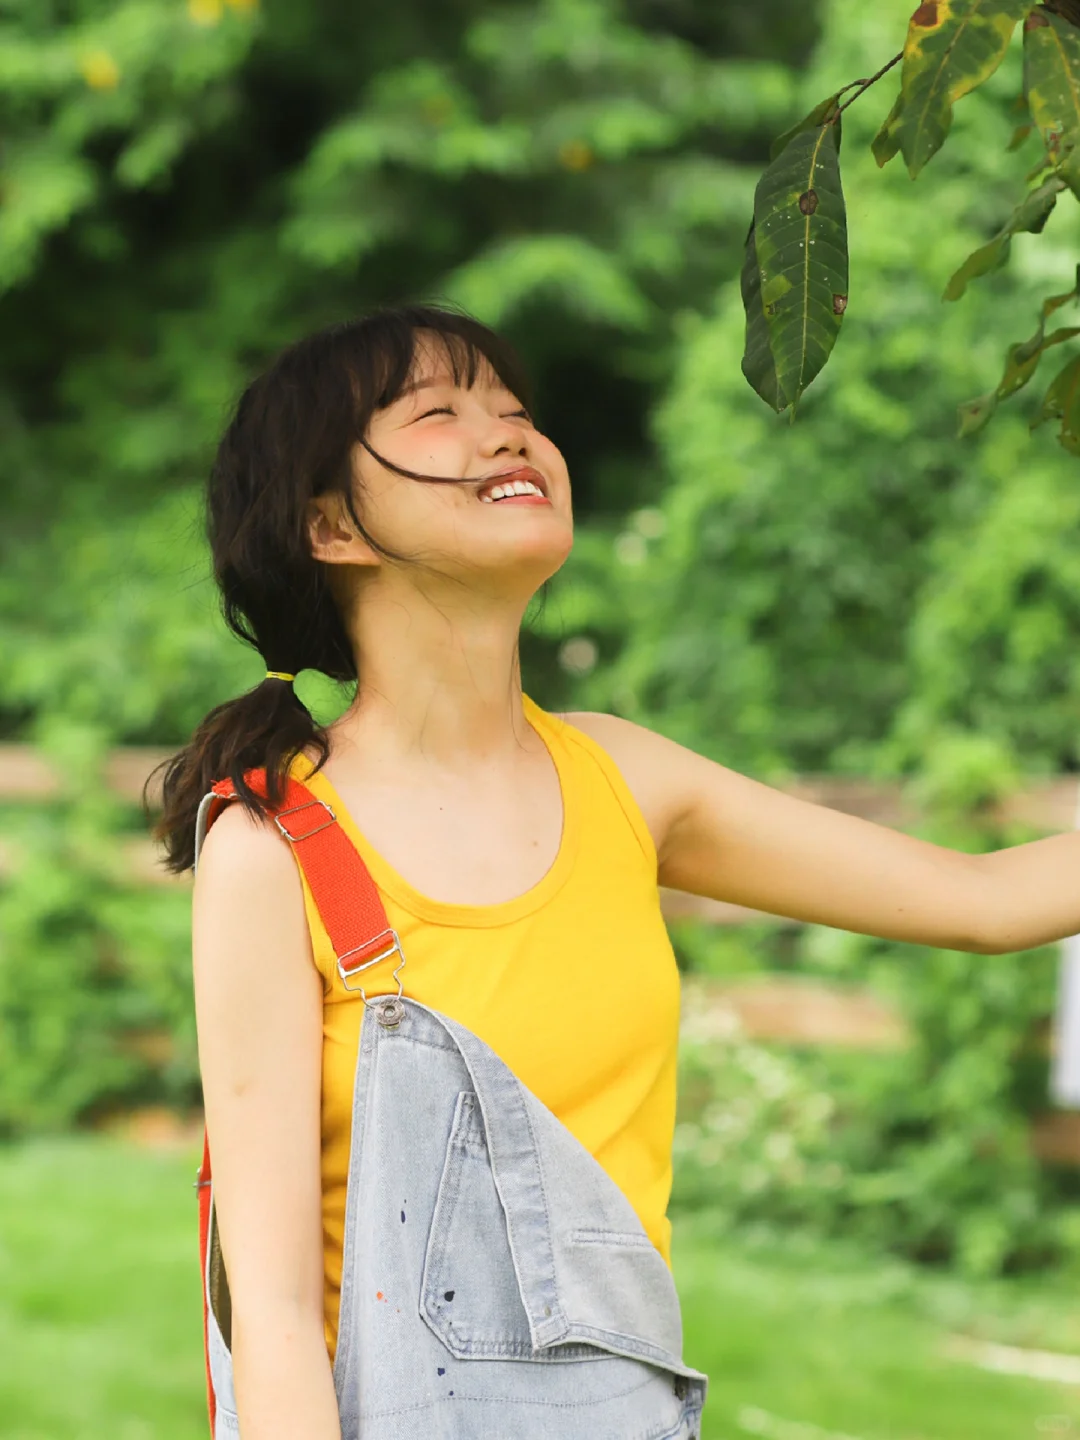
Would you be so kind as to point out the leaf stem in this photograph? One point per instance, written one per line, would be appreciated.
(859, 86)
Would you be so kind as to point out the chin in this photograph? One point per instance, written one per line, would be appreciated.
(528, 565)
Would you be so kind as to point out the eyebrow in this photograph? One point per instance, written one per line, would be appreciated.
(427, 383)
(430, 382)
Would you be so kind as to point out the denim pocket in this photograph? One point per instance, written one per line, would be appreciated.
(591, 1290)
(471, 1298)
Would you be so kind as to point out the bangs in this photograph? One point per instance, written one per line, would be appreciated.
(383, 350)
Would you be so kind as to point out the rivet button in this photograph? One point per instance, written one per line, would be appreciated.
(390, 1013)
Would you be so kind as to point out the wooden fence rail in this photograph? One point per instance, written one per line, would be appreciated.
(1046, 805)
(774, 1008)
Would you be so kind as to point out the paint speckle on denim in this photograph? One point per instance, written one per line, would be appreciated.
(440, 1117)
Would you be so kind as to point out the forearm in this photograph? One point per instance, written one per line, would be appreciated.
(1033, 893)
(284, 1383)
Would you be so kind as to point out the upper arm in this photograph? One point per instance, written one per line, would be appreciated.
(258, 1005)
(721, 834)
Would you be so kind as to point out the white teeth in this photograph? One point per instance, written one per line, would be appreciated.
(513, 487)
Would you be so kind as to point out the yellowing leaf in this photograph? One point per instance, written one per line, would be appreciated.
(99, 70)
(575, 155)
(1052, 87)
(205, 12)
(952, 46)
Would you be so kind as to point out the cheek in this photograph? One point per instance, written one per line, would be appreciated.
(551, 458)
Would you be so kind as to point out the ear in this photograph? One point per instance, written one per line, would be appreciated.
(332, 535)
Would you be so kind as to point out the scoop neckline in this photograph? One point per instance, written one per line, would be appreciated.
(446, 912)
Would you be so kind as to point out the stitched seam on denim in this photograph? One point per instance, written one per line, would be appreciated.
(550, 1242)
(367, 1414)
(343, 1353)
(450, 1184)
(521, 1350)
(639, 1349)
(628, 1239)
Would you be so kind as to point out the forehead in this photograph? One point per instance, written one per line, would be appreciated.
(438, 362)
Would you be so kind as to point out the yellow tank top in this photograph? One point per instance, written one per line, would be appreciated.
(573, 984)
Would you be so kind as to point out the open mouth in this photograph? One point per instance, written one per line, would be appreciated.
(523, 484)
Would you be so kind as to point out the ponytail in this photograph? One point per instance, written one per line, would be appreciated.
(290, 439)
(267, 726)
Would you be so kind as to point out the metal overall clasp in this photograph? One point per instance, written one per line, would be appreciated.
(389, 1011)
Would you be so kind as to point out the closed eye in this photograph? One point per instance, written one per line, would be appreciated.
(448, 410)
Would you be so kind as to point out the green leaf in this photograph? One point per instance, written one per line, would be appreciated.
(886, 143)
(1052, 86)
(952, 46)
(800, 232)
(813, 121)
(975, 413)
(1029, 216)
(757, 362)
(1021, 362)
(1062, 403)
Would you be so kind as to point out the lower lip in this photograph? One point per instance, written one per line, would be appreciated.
(522, 500)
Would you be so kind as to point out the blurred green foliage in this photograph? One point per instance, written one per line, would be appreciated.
(185, 188)
(112, 1284)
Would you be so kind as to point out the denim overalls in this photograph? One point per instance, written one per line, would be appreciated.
(497, 1284)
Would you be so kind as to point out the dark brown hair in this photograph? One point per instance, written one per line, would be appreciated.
(291, 438)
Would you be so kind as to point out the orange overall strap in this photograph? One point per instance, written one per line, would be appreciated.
(347, 898)
(351, 909)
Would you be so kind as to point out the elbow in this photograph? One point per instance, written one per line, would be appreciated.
(989, 928)
(996, 937)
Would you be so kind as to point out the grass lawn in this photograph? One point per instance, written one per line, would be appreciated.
(100, 1326)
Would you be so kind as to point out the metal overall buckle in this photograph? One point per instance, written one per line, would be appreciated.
(304, 805)
(389, 1011)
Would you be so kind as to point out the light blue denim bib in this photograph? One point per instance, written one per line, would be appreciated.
(496, 1282)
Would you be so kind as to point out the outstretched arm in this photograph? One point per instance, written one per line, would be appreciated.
(721, 834)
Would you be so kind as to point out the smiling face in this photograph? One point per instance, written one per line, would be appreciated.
(504, 520)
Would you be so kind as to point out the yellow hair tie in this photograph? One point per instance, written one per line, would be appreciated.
(279, 675)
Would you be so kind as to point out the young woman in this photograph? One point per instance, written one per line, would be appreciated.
(382, 508)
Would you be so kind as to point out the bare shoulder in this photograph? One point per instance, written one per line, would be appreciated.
(655, 768)
(248, 900)
(629, 744)
(245, 849)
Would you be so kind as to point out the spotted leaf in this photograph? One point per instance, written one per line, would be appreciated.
(800, 240)
(952, 46)
(757, 362)
(817, 117)
(1052, 87)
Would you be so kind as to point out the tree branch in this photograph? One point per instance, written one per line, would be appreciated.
(864, 85)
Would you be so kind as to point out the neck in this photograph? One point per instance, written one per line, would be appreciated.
(440, 679)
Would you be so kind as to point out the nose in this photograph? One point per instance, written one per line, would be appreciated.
(502, 437)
